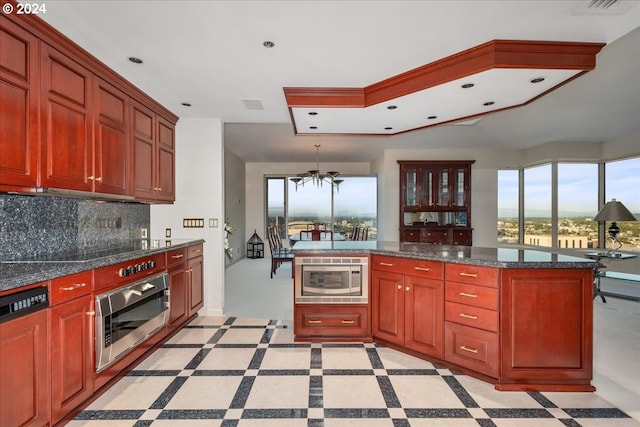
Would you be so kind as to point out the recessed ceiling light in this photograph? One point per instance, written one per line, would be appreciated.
(467, 85)
(392, 107)
(313, 127)
(135, 60)
(313, 113)
(186, 104)
(388, 128)
(486, 104)
(268, 44)
(432, 117)
(537, 80)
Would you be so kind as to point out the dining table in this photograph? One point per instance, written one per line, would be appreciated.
(324, 236)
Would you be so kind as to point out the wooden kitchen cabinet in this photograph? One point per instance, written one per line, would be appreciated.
(71, 320)
(407, 304)
(546, 330)
(153, 155)
(472, 317)
(435, 202)
(66, 122)
(185, 284)
(111, 140)
(332, 321)
(19, 105)
(24, 371)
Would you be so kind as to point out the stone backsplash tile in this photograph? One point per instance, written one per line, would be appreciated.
(34, 226)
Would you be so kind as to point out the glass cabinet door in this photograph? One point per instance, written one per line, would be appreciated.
(427, 187)
(459, 187)
(412, 187)
(443, 187)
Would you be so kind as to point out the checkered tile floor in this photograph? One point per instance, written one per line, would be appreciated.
(236, 372)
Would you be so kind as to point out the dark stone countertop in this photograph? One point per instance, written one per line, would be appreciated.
(17, 273)
(493, 257)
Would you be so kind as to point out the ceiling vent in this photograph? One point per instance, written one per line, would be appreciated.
(253, 104)
(604, 7)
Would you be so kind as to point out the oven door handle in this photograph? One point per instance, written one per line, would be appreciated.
(146, 287)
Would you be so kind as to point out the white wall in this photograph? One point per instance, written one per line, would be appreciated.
(199, 194)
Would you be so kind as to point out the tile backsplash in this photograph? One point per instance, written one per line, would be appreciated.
(34, 226)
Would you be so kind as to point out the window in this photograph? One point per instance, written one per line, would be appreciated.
(508, 207)
(354, 203)
(537, 206)
(622, 182)
(576, 195)
(577, 205)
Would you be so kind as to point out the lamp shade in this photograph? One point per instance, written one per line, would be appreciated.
(614, 211)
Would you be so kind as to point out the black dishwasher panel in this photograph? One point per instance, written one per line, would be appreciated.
(22, 303)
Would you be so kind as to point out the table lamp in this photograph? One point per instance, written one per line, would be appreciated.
(614, 211)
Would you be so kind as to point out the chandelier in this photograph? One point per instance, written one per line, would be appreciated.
(315, 177)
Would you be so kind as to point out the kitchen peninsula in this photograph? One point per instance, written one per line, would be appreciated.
(520, 319)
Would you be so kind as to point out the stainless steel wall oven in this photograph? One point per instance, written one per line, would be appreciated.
(331, 279)
(127, 316)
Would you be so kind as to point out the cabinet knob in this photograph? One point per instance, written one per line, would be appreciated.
(399, 286)
(408, 288)
(98, 178)
(90, 313)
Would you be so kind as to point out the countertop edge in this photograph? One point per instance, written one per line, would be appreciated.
(25, 274)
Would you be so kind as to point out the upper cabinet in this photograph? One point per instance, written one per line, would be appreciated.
(70, 123)
(19, 105)
(435, 202)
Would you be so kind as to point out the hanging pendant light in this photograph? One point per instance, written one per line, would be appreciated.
(316, 177)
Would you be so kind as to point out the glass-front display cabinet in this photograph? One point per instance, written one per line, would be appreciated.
(435, 202)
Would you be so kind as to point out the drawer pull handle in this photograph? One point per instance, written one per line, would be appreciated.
(464, 294)
(469, 316)
(348, 322)
(198, 251)
(470, 350)
(386, 264)
(468, 274)
(91, 313)
(74, 287)
(177, 256)
(422, 268)
(314, 322)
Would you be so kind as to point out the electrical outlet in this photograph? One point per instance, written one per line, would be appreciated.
(143, 233)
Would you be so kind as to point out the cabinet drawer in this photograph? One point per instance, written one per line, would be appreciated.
(413, 267)
(331, 321)
(195, 251)
(479, 296)
(459, 237)
(435, 236)
(469, 315)
(128, 271)
(177, 255)
(471, 348)
(474, 274)
(69, 287)
(412, 236)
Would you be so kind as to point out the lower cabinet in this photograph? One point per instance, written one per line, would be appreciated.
(195, 284)
(71, 355)
(332, 322)
(407, 309)
(24, 371)
(185, 284)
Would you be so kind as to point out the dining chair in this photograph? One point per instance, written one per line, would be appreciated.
(279, 254)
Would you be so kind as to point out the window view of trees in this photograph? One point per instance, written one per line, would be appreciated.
(577, 204)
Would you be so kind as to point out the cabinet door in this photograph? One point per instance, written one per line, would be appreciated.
(427, 198)
(111, 145)
(71, 355)
(18, 103)
(24, 371)
(443, 189)
(66, 122)
(178, 294)
(460, 186)
(424, 315)
(410, 193)
(196, 300)
(387, 306)
(143, 138)
(165, 171)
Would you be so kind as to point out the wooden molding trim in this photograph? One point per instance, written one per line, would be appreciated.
(493, 54)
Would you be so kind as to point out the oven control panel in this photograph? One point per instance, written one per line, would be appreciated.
(22, 303)
(136, 268)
